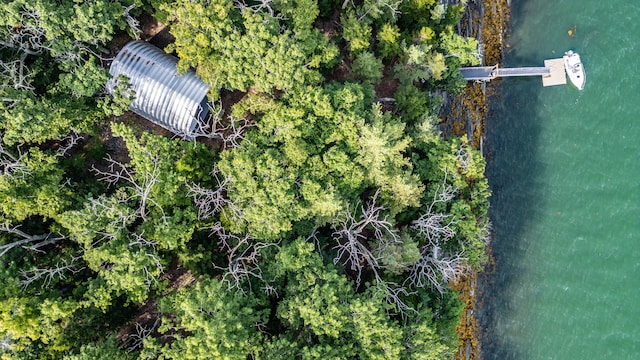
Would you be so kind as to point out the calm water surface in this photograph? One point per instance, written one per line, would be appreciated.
(564, 167)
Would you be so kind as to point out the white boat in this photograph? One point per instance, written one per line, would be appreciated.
(574, 68)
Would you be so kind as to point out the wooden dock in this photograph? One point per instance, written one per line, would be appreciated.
(479, 73)
(557, 75)
(553, 72)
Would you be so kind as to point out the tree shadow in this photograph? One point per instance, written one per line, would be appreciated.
(514, 170)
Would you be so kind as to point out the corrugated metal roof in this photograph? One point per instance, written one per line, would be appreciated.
(170, 100)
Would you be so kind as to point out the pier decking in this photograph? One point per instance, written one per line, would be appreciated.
(552, 73)
(523, 71)
(558, 75)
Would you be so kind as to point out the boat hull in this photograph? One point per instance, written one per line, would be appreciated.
(575, 69)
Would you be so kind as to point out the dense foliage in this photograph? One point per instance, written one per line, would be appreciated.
(328, 225)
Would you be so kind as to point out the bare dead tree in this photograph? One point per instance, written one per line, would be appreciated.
(12, 165)
(313, 237)
(437, 227)
(393, 295)
(149, 248)
(435, 269)
(485, 232)
(5, 343)
(211, 201)
(214, 126)
(262, 327)
(354, 238)
(30, 37)
(464, 157)
(393, 6)
(47, 275)
(234, 131)
(244, 263)
(16, 75)
(243, 256)
(73, 58)
(26, 241)
(116, 209)
(133, 23)
(120, 216)
(150, 278)
(9, 102)
(135, 341)
(136, 239)
(351, 251)
(352, 235)
(67, 143)
(119, 213)
(270, 290)
(260, 6)
(141, 190)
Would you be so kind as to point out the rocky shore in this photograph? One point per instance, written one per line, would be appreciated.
(486, 20)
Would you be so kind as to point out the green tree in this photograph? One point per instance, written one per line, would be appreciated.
(420, 62)
(65, 28)
(416, 13)
(240, 48)
(296, 165)
(124, 234)
(382, 147)
(51, 74)
(104, 350)
(28, 320)
(220, 324)
(263, 188)
(456, 166)
(465, 49)
(356, 32)
(284, 260)
(389, 41)
(367, 67)
(414, 105)
(35, 120)
(35, 187)
(320, 303)
(422, 340)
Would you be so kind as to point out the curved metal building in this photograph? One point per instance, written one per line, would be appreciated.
(175, 102)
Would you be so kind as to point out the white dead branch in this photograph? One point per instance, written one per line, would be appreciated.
(135, 341)
(243, 259)
(27, 241)
(140, 189)
(12, 165)
(211, 201)
(47, 275)
(437, 268)
(230, 130)
(352, 237)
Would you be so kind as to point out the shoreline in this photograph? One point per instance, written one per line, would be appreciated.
(487, 21)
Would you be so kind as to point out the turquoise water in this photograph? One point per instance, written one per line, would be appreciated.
(564, 167)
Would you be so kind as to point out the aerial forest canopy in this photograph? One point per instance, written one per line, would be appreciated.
(320, 213)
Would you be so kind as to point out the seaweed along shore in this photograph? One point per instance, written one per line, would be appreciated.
(487, 21)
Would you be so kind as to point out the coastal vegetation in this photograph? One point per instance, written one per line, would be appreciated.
(320, 213)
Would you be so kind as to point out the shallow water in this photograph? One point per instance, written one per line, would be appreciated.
(564, 166)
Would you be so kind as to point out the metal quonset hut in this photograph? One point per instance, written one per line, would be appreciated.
(175, 102)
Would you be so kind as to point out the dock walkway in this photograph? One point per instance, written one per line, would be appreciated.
(552, 73)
